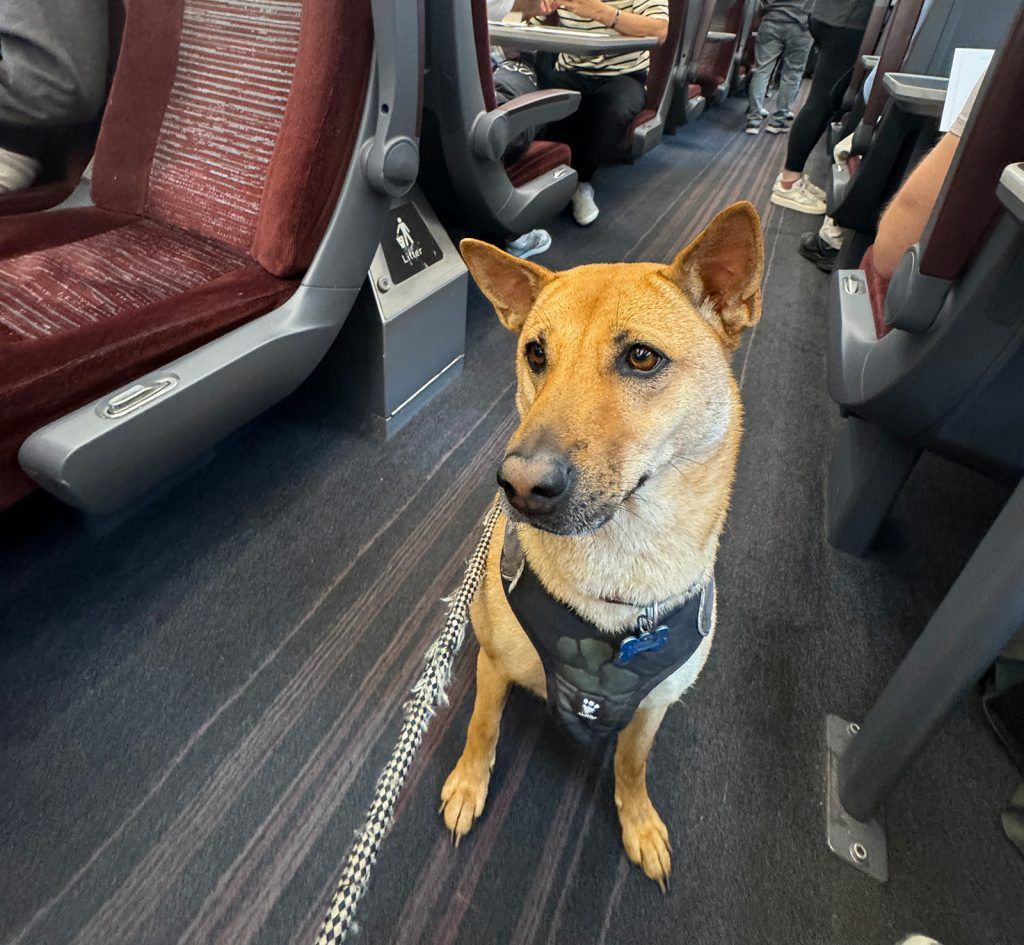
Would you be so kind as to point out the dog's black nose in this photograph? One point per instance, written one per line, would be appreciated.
(536, 484)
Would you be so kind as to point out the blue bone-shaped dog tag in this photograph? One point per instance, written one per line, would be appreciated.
(649, 642)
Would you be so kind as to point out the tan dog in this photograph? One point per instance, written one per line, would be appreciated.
(619, 474)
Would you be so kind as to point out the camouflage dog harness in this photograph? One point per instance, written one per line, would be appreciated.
(596, 680)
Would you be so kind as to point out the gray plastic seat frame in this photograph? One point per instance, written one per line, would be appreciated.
(99, 462)
(951, 380)
(978, 617)
(684, 110)
(474, 138)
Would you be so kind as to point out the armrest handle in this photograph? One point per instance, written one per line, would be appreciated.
(1011, 190)
(917, 94)
(492, 131)
(718, 36)
(391, 159)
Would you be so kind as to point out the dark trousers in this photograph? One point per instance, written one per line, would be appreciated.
(837, 53)
(594, 132)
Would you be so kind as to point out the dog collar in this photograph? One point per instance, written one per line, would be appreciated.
(595, 680)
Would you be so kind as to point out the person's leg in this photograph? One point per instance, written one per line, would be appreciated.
(550, 78)
(613, 103)
(768, 47)
(798, 44)
(837, 53)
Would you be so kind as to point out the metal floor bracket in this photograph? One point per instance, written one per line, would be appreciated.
(861, 845)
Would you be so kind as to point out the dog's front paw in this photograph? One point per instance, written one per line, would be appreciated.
(463, 797)
(645, 837)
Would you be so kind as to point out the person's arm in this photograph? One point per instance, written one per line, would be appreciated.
(907, 215)
(628, 24)
(529, 8)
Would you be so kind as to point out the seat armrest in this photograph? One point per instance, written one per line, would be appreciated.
(917, 94)
(492, 131)
(1011, 190)
(558, 39)
(717, 36)
(914, 300)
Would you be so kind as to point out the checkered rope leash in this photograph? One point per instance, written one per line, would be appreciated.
(427, 694)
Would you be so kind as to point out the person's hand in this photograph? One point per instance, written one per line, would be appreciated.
(548, 7)
(591, 9)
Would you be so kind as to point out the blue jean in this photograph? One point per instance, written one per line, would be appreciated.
(789, 41)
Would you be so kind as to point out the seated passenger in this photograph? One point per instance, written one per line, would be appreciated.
(53, 70)
(905, 218)
(612, 85)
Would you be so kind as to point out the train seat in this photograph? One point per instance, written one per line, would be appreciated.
(895, 130)
(469, 131)
(935, 358)
(647, 129)
(723, 40)
(218, 260)
(688, 101)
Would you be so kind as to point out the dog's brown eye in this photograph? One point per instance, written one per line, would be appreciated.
(643, 359)
(535, 356)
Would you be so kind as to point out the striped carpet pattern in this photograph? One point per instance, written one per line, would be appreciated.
(235, 66)
(117, 272)
(197, 698)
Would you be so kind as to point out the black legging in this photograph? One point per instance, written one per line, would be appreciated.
(837, 54)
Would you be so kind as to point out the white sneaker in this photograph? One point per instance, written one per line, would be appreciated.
(797, 197)
(530, 244)
(17, 171)
(584, 210)
(813, 188)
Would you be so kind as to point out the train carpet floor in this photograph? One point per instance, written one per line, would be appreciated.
(197, 696)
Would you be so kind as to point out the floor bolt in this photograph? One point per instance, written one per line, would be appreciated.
(858, 852)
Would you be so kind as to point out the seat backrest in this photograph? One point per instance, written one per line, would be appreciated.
(716, 58)
(481, 35)
(236, 119)
(968, 206)
(901, 29)
(877, 22)
(663, 57)
(703, 24)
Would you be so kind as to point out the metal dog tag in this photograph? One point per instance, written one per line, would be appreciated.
(648, 641)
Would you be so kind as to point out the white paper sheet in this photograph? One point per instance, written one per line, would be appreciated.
(969, 65)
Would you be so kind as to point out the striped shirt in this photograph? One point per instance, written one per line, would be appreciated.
(613, 63)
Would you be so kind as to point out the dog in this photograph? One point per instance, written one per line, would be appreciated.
(618, 481)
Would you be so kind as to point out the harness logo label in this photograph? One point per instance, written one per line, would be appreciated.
(589, 709)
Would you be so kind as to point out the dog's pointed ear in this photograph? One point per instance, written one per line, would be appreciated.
(511, 284)
(721, 270)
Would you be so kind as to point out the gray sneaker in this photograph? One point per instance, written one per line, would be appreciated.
(777, 124)
(753, 126)
(530, 244)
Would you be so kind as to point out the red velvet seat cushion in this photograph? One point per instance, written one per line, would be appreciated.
(540, 157)
(878, 286)
(81, 318)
